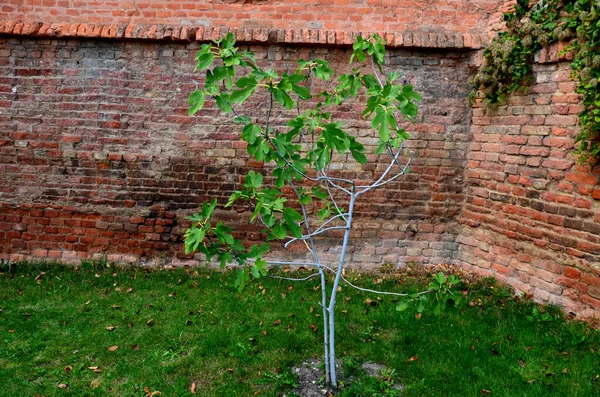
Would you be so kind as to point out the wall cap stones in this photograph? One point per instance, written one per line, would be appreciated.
(244, 35)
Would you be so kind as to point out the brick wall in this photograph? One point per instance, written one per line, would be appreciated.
(98, 156)
(440, 16)
(532, 214)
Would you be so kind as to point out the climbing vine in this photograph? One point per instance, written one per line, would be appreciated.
(531, 26)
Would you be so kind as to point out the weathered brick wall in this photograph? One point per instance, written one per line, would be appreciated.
(98, 156)
(532, 214)
(451, 16)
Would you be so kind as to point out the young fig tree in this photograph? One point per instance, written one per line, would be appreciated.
(303, 198)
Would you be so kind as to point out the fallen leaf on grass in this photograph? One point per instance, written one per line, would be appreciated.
(413, 358)
(62, 386)
(565, 370)
(111, 328)
(230, 370)
(485, 392)
(370, 302)
(313, 328)
(113, 348)
(418, 316)
(129, 290)
(95, 369)
(68, 368)
(150, 322)
(522, 363)
(135, 347)
(264, 332)
(12, 331)
(276, 322)
(151, 394)
(95, 383)
(193, 388)
(595, 378)
(116, 307)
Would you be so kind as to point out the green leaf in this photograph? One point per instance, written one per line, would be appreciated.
(402, 306)
(205, 60)
(250, 132)
(196, 101)
(302, 92)
(440, 278)
(239, 96)
(253, 180)
(319, 192)
(279, 232)
(241, 278)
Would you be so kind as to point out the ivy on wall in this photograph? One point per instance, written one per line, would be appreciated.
(531, 26)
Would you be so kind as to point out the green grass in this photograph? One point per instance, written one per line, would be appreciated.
(55, 321)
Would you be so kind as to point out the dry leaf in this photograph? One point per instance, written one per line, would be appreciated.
(172, 294)
(62, 386)
(595, 378)
(312, 309)
(313, 328)
(522, 363)
(95, 383)
(68, 368)
(472, 347)
(150, 322)
(418, 316)
(135, 347)
(188, 322)
(230, 370)
(193, 388)
(151, 394)
(113, 348)
(111, 328)
(88, 302)
(485, 392)
(129, 290)
(565, 370)
(531, 381)
(116, 307)
(12, 331)
(413, 358)
(276, 322)
(95, 369)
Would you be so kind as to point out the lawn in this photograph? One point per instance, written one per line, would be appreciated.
(102, 330)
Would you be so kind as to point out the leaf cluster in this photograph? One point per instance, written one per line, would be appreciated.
(440, 295)
(301, 150)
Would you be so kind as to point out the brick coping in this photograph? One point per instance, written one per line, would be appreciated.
(245, 35)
